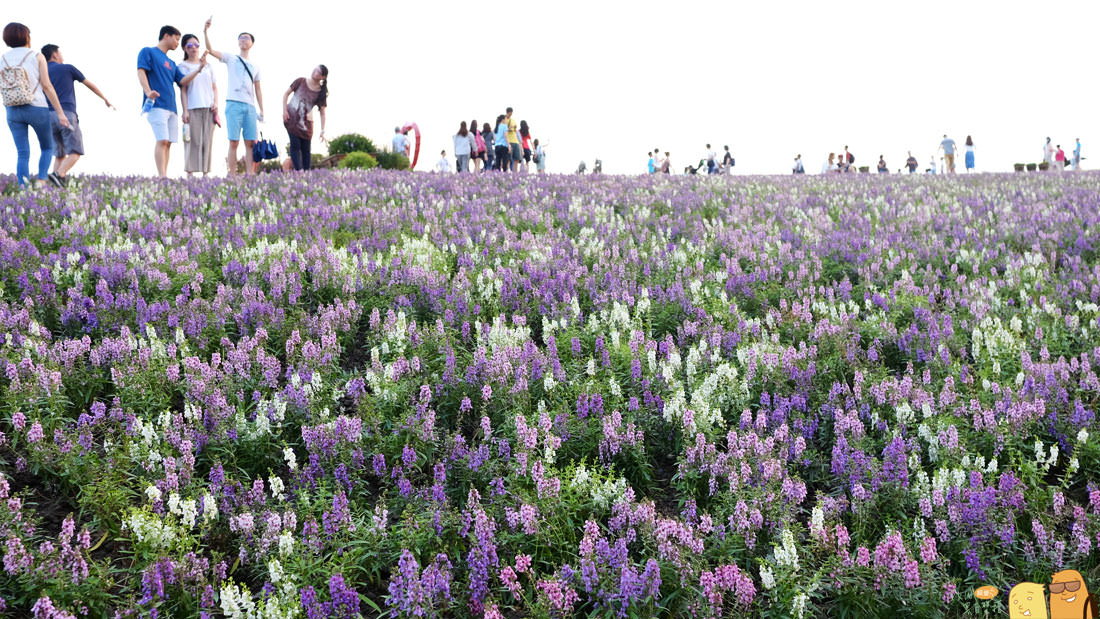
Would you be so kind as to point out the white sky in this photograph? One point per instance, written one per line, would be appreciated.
(616, 79)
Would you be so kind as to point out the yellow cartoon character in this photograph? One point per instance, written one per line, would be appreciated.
(1069, 597)
(1027, 600)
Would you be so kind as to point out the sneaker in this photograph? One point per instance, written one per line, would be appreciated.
(56, 180)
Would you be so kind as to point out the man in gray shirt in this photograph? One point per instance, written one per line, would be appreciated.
(948, 146)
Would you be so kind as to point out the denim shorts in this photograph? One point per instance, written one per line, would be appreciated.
(240, 118)
(517, 151)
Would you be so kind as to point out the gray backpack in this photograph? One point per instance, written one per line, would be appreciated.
(15, 84)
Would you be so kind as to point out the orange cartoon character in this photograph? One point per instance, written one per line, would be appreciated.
(1027, 600)
(1069, 597)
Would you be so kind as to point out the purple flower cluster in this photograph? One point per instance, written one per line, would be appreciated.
(413, 593)
(397, 371)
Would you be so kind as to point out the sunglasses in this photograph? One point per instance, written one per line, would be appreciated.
(192, 46)
(1071, 586)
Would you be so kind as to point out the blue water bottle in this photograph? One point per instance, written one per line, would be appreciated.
(147, 105)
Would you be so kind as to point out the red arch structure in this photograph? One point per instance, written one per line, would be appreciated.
(416, 148)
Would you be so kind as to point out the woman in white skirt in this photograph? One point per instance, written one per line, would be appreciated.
(200, 108)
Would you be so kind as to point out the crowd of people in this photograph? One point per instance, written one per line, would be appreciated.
(1053, 155)
(244, 102)
(658, 164)
(39, 96)
(504, 147)
(1056, 160)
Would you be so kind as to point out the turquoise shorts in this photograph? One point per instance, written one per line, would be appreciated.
(240, 118)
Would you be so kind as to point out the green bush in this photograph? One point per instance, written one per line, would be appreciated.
(359, 161)
(272, 165)
(350, 143)
(392, 161)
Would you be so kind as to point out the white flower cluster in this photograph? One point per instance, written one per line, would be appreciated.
(1043, 461)
(767, 577)
(817, 519)
(145, 450)
(286, 544)
(422, 252)
(604, 493)
(269, 412)
(187, 510)
(237, 603)
(798, 605)
(276, 484)
(786, 553)
(717, 390)
(992, 341)
(503, 337)
(488, 285)
(931, 441)
(149, 528)
(396, 335)
(209, 508)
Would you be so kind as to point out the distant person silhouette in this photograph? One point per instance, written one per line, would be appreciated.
(948, 148)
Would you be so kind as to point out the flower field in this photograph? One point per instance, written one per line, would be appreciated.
(408, 395)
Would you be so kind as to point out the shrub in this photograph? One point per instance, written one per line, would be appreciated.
(359, 161)
(272, 165)
(392, 161)
(351, 143)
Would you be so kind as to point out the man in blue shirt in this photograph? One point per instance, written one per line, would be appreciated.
(1077, 155)
(68, 142)
(400, 142)
(652, 163)
(158, 75)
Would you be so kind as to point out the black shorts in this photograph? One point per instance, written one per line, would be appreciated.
(527, 155)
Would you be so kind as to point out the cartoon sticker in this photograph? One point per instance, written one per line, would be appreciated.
(1069, 596)
(1027, 600)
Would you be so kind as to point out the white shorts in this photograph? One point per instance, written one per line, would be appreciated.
(165, 124)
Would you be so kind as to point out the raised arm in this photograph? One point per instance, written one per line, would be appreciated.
(190, 77)
(206, 39)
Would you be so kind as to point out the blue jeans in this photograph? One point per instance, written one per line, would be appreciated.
(19, 118)
(299, 152)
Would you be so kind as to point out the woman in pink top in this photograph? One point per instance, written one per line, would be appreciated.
(525, 139)
(480, 156)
